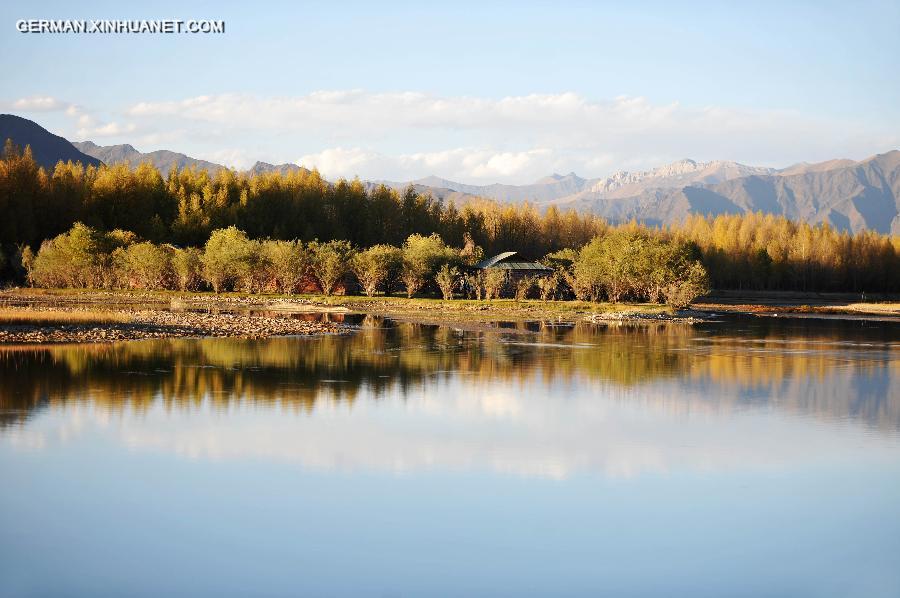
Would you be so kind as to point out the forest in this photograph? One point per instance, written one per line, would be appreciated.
(116, 226)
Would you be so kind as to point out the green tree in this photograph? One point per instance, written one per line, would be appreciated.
(228, 258)
(376, 266)
(187, 267)
(71, 259)
(25, 257)
(142, 266)
(422, 256)
(288, 262)
(615, 264)
(691, 283)
(474, 284)
(330, 262)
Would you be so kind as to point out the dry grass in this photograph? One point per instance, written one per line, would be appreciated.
(11, 316)
(874, 308)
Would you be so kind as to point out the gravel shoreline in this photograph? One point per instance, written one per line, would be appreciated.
(147, 324)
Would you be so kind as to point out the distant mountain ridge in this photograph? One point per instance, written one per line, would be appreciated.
(846, 194)
(682, 172)
(163, 160)
(546, 189)
(265, 167)
(125, 153)
(46, 148)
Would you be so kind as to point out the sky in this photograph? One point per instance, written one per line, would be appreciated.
(477, 92)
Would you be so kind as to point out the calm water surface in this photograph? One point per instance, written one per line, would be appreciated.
(755, 457)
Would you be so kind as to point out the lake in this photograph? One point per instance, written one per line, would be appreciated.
(746, 457)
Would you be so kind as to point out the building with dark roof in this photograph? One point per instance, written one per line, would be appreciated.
(515, 269)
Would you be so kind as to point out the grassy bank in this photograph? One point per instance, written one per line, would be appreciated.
(487, 309)
(435, 309)
(13, 316)
(453, 309)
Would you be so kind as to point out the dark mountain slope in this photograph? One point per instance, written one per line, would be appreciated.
(47, 148)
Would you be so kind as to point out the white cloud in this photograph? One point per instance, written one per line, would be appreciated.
(44, 104)
(38, 104)
(465, 163)
(110, 129)
(382, 111)
(87, 124)
(515, 139)
(340, 161)
(403, 135)
(231, 157)
(475, 425)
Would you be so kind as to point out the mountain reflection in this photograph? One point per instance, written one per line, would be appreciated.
(818, 368)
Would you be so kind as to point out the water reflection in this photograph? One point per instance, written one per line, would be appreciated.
(748, 458)
(535, 400)
(833, 370)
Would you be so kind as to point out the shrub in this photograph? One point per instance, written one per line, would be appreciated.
(422, 256)
(562, 262)
(228, 258)
(494, 280)
(142, 266)
(524, 286)
(474, 284)
(376, 266)
(447, 279)
(548, 285)
(25, 259)
(187, 268)
(71, 259)
(693, 282)
(330, 262)
(288, 262)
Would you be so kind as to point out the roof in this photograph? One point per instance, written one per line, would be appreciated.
(497, 262)
(493, 260)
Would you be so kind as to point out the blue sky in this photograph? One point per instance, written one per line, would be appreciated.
(474, 91)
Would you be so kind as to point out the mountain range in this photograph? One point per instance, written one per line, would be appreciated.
(163, 160)
(849, 195)
(48, 149)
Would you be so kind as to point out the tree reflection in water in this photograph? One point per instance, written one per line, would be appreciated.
(830, 369)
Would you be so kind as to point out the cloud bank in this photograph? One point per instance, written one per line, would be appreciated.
(407, 135)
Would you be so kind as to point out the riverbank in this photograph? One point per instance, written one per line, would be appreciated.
(70, 324)
(766, 303)
(286, 304)
(166, 314)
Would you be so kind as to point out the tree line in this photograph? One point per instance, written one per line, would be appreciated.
(183, 208)
(620, 265)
